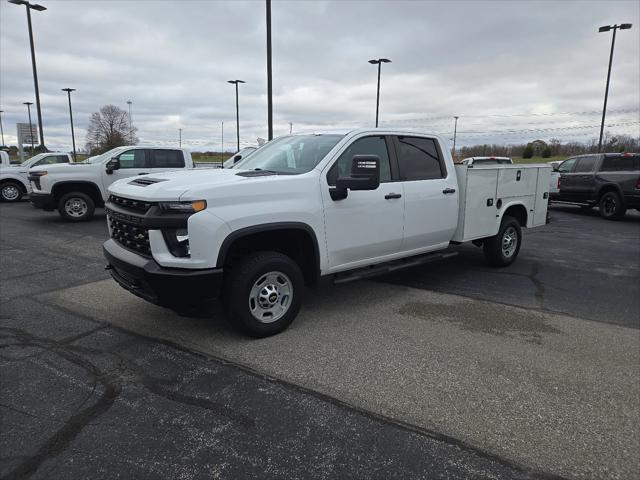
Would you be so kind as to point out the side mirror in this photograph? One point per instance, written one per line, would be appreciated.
(556, 168)
(365, 175)
(236, 159)
(113, 164)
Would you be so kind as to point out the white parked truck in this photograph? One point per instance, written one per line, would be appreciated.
(76, 189)
(303, 207)
(14, 182)
(487, 161)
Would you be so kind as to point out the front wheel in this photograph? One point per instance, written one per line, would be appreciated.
(76, 207)
(10, 192)
(262, 294)
(502, 249)
(611, 206)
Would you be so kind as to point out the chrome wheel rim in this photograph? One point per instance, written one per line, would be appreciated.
(270, 297)
(509, 242)
(76, 207)
(10, 192)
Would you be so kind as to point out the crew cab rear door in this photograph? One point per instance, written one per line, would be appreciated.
(430, 193)
(367, 225)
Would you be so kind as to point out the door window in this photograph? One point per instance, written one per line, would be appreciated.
(586, 164)
(419, 159)
(362, 146)
(167, 159)
(620, 163)
(567, 166)
(132, 159)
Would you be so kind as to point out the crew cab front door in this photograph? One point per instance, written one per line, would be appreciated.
(132, 162)
(367, 224)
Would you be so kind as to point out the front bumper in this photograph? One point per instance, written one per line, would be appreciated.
(168, 287)
(43, 201)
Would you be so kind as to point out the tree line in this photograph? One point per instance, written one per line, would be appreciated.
(552, 148)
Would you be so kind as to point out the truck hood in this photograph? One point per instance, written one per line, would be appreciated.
(13, 169)
(64, 168)
(192, 184)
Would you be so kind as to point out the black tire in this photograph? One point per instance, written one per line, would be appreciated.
(11, 191)
(76, 207)
(494, 253)
(239, 294)
(611, 206)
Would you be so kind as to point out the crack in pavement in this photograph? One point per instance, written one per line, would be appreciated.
(112, 383)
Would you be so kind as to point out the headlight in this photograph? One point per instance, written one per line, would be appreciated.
(40, 173)
(184, 207)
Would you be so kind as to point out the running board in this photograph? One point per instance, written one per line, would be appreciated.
(390, 267)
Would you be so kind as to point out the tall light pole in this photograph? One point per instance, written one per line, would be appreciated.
(378, 62)
(236, 82)
(455, 131)
(222, 144)
(606, 28)
(1, 129)
(129, 102)
(28, 104)
(269, 74)
(73, 136)
(180, 138)
(39, 8)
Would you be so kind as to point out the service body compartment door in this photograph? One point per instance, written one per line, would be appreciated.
(542, 197)
(517, 182)
(478, 213)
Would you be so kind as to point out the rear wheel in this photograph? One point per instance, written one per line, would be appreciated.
(611, 206)
(76, 207)
(502, 249)
(10, 192)
(262, 294)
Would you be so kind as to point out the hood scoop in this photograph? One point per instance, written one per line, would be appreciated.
(256, 173)
(146, 181)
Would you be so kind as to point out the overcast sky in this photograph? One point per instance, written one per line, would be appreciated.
(503, 67)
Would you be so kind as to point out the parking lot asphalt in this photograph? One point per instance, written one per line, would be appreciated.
(374, 379)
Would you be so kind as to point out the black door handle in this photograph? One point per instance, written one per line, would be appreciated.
(389, 196)
(449, 190)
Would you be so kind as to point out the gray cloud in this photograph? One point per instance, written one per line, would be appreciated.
(472, 59)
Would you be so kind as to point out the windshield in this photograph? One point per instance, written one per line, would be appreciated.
(290, 155)
(492, 161)
(104, 156)
(35, 158)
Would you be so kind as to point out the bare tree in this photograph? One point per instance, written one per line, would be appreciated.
(109, 128)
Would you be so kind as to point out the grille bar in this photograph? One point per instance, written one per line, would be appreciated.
(129, 204)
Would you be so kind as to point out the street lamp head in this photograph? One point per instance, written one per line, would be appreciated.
(236, 81)
(606, 28)
(129, 102)
(380, 60)
(27, 103)
(69, 90)
(384, 60)
(33, 6)
(625, 26)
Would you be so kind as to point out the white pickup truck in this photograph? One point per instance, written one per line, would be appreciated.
(76, 189)
(304, 207)
(14, 182)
